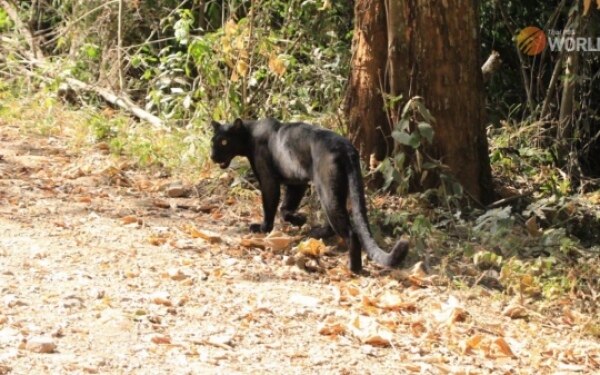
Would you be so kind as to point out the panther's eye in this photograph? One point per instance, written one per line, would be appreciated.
(224, 142)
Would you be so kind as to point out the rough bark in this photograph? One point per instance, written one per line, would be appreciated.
(435, 55)
(364, 105)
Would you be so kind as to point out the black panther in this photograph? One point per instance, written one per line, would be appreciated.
(294, 154)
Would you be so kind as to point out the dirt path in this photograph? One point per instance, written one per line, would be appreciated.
(102, 271)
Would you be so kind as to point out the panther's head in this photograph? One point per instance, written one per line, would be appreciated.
(228, 141)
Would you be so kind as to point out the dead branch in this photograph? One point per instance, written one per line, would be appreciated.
(121, 101)
(13, 13)
(37, 59)
(552, 86)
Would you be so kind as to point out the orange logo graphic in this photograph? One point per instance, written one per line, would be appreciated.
(531, 40)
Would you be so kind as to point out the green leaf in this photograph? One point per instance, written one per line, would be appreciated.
(415, 140)
(426, 130)
(401, 137)
(136, 61)
(423, 111)
(198, 49)
(404, 125)
(399, 160)
(406, 108)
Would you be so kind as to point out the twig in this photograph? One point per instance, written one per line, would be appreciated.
(120, 45)
(507, 200)
(39, 60)
(530, 102)
(72, 23)
(551, 87)
(11, 10)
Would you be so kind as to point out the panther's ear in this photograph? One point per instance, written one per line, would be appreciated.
(238, 124)
(215, 125)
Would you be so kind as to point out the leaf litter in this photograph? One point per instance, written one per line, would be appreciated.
(102, 272)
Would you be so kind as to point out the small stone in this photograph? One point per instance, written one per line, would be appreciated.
(177, 190)
(230, 262)
(89, 369)
(11, 300)
(177, 274)
(40, 344)
(161, 298)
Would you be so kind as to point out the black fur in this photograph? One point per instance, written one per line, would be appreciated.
(294, 154)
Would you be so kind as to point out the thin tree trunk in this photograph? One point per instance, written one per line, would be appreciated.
(551, 87)
(565, 119)
(526, 81)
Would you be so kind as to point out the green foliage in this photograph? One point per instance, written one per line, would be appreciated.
(420, 232)
(5, 21)
(101, 129)
(283, 59)
(544, 277)
(412, 131)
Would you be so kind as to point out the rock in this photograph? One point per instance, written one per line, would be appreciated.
(177, 274)
(161, 298)
(11, 300)
(40, 344)
(177, 190)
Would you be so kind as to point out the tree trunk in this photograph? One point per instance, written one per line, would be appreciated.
(364, 105)
(429, 49)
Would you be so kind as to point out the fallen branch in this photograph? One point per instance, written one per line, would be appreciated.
(120, 101)
(36, 58)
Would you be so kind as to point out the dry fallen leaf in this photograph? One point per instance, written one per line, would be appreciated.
(451, 312)
(504, 347)
(205, 235)
(515, 311)
(532, 227)
(277, 65)
(253, 242)
(278, 241)
(312, 247)
(157, 240)
(331, 327)
(369, 331)
(85, 199)
(392, 300)
(471, 343)
(161, 298)
(130, 219)
(161, 339)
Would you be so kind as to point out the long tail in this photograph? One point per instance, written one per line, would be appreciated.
(361, 224)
